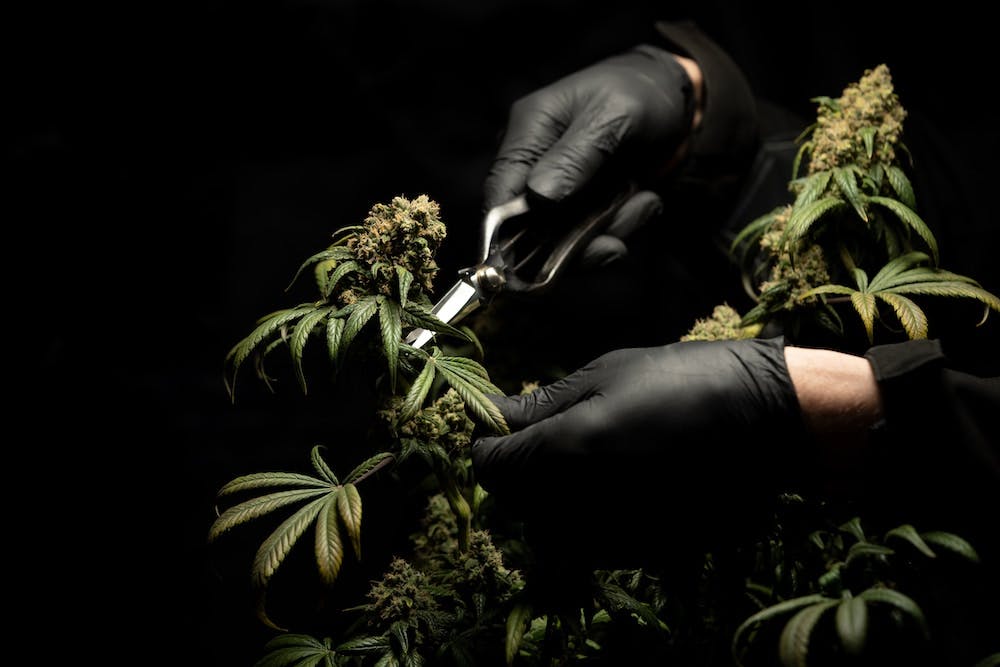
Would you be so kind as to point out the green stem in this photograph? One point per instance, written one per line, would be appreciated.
(459, 505)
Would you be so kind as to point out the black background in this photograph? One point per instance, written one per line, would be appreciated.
(171, 164)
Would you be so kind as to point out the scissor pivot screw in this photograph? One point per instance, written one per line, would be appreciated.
(488, 279)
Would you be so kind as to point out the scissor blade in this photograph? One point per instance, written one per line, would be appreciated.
(458, 302)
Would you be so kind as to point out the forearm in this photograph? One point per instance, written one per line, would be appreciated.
(840, 402)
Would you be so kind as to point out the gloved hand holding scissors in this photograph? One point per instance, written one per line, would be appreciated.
(636, 107)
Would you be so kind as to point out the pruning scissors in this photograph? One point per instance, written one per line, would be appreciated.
(524, 255)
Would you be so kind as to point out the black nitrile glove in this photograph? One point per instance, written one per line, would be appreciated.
(634, 108)
(681, 437)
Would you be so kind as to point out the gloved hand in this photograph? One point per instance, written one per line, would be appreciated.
(635, 107)
(686, 434)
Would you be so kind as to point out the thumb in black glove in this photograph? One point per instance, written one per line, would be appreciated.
(636, 106)
(687, 434)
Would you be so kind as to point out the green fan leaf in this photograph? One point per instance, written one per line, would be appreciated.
(864, 303)
(774, 611)
(334, 334)
(875, 175)
(471, 370)
(864, 549)
(321, 272)
(321, 466)
(300, 335)
(338, 274)
(754, 229)
(329, 545)
(290, 639)
(900, 601)
(951, 289)
(334, 253)
(418, 316)
(369, 466)
(391, 327)
(259, 480)
(258, 507)
(517, 624)
(868, 138)
(417, 394)
(853, 526)
(387, 660)
(844, 178)
(468, 387)
(908, 533)
(827, 289)
(815, 185)
(268, 325)
(349, 507)
(896, 267)
(925, 274)
(952, 543)
(910, 315)
(364, 310)
(616, 600)
(405, 280)
(901, 186)
(793, 646)
(295, 656)
(364, 645)
(803, 218)
(803, 149)
(908, 217)
(276, 547)
(852, 624)
(860, 278)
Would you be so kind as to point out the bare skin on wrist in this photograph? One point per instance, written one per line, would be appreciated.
(840, 401)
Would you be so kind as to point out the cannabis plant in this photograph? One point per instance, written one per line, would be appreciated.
(852, 234)
(380, 271)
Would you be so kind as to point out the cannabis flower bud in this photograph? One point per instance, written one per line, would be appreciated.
(863, 126)
(724, 324)
(403, 233)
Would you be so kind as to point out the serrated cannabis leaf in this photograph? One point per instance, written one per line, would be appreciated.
(329, 546)
(951, 542)
(334, 253)
(908, 533)
(418, 316)
(804, 217)
(473, 389)
(868, 139)
(338, 274)
(390, 327)
(908, 217)
(320, 465)
(517, 624)
(300, 335)
(901, 186)
(364, 645)
(814, 186)
(349, 508)
(268, 326)
(774, 611)
(369, 466)
(900, 601)
(844, 178)
(260, 480)
(258, 507)
(405, 280)
(793, 646)
(852, 624)
(417, 394)
(363, 311)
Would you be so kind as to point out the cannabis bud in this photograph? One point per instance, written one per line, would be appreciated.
(861, 127)
(405, 233)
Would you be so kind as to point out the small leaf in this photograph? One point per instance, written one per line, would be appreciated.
(271, 323)
(274, 549)
(793, 646)
(799, 154)
(868, 137)
(332, 253)
(899, 601)
(418, 316)
(369, 466)
(300, 335)
(951, 542)
(844, 178)
(853, 526)
(771, 612)
(852, 624)
(865, 305)
(365, 309)
(363, 645)
(405, 280)
(862, 549)
(860, 278)
(260, 480)
(815, 185)
(828, 102)
(390, 326)
(475, 400)
(329, 545)
(334, 333)
(517, 623)
(901, 185)
(320, 465)
(908, 533)
(754, 229)
(827, 289)
(803, 218)
(910, 315)
(338, 274)
(418, 392)
(349, 507)
(616, 600)
(909, 218)
(258, 507)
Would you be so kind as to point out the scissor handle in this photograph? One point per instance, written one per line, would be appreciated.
(556, 241)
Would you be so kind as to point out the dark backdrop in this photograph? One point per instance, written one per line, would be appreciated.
(169, 166)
